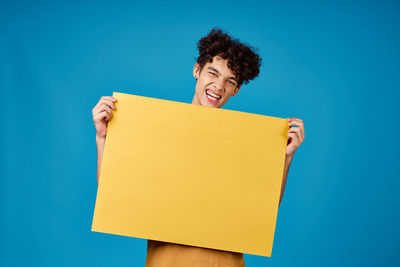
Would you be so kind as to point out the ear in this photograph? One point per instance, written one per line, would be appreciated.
(196, 70)
(236, 90)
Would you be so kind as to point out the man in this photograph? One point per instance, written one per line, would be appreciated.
(223, 65)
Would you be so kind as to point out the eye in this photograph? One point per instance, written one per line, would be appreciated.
(212, 73)
(231, 82)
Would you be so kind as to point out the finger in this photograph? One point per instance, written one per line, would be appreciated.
(108, 117)
(297, 123)
(294, 129)
(105, 99)
(297, 131)
(100, 109)
(293, 138)
(106, 108)
(103, 106)
(100, 116)
(290, 136)
(295, 119)
(109, 103)
(301, 126)
(106, 102)
(104, 115)
(95, 107)
(113, 99)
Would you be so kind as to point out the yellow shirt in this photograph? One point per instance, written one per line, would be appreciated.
(161, 254)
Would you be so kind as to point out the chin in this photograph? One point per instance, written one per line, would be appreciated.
(210, 103)
(206, 104)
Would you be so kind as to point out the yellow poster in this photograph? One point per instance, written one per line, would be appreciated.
(190, 174)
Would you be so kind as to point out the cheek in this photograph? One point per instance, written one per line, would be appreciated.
(226, 98)
(200, 82)
(198, 86)
(230, 92)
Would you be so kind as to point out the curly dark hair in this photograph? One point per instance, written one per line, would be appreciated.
(242, 60)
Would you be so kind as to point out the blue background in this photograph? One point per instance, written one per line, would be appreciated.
(333, 64)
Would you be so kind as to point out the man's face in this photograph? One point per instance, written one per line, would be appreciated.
(215, 83)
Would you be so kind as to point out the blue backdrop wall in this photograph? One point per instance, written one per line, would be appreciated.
(333, 64)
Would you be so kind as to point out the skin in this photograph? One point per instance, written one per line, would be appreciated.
(214, 78)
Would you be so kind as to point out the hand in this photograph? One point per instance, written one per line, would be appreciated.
(295, 135)
(102, 115)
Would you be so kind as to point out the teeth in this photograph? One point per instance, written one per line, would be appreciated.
(211, 97)
(210, 93)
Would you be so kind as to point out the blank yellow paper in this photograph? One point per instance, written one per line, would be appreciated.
(192, 175)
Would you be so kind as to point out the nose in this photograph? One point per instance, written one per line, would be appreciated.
(219, 85)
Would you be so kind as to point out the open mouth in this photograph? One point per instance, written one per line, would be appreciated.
(212, 96)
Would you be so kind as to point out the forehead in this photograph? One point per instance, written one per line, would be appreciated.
(221, 65)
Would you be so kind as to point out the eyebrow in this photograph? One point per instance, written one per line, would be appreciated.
(214, 69)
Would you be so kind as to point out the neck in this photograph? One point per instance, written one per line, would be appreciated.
(195, 100)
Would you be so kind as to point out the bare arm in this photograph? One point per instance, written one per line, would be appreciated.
(288, 160)
(100, 148)
(101, 116)
(295, 138)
